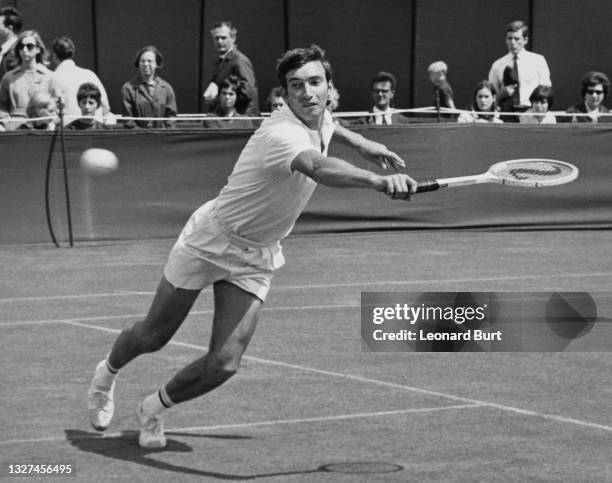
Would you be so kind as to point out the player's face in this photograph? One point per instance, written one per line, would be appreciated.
(515, 41)
(484, 99)
(594, 96)
(223, 39)
(382, 94)
(307, 92)
(147, 64)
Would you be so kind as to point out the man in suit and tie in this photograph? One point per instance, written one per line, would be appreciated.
(382, 88)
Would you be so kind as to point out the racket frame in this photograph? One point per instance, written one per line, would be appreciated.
(490, 177)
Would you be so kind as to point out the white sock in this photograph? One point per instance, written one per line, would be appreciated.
(153, 405)
(103, 376)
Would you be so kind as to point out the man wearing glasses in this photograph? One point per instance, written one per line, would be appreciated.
(382, 88)
(519, 72)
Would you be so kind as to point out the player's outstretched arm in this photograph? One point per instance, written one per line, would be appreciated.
(374, 152)
(338, 173)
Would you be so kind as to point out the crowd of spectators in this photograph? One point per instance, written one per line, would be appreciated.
(518, 88)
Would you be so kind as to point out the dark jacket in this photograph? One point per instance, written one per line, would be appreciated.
(238, 64)
(137, 102)
(580, 107)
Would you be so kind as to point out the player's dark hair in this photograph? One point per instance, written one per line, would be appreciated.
(384, 77)
(542, 93)
(593, 78)
(12, 18)
(63, 48)
(89, 90)
(295, 58)
(159, 58)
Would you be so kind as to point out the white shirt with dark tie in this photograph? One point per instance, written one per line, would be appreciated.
(382, 117)
(532, 72)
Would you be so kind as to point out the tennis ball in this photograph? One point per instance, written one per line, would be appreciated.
(571, 315)
(99, 161)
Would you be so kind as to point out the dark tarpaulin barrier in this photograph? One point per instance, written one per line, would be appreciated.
(164, 175)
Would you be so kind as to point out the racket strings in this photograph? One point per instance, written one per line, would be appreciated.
(533, 171)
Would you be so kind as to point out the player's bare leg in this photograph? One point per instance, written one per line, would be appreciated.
(168, 311)
(234, 322)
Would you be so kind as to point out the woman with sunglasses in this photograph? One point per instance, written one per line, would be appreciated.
(594, 89)
(30, 76)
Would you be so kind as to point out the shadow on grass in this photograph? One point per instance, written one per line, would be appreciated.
(124, 446)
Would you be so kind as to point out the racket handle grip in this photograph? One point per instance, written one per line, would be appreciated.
(427, 185)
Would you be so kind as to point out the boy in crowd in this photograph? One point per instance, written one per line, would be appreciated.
(89, 98)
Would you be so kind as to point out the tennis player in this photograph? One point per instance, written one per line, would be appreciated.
(233, 241)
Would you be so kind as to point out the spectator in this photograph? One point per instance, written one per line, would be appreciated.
(30, 76)
(333, 102)
(519, 72)
(232, 62)
(226, 107)
(11, 22)
(382, 88)
(275, 100)
(148, 95)
(41, 111)
(484, 107)
(333, 99)
(89, 98)
(68, 77)
(593, 90)
(443, 92)
(541, 101)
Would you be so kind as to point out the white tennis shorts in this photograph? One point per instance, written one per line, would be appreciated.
(208, 251)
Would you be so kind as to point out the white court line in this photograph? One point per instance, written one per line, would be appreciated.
(502, 407)
(445, 280)
(277, 288)
(143, 315)
(254, 424)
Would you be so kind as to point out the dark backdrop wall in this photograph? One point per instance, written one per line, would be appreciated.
(361, 37)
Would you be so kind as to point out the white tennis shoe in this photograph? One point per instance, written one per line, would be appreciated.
(100, 405)
(151, 430)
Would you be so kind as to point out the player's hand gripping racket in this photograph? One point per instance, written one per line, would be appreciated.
(530, 173)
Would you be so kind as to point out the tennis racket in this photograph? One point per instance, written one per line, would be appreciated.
(530, 173)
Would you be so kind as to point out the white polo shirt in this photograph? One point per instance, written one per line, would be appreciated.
(263, 197)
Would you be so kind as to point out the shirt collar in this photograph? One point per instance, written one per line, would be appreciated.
(519, 56)
(65, 64)
(388, 110)
(227, 54)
